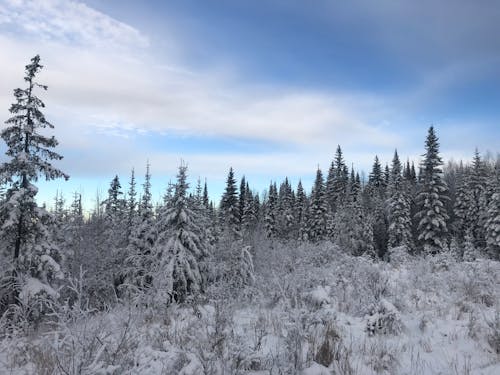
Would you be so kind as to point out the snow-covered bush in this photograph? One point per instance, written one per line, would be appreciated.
(384, 319)
(399, 255)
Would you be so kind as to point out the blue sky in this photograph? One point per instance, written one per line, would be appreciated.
(268, 87)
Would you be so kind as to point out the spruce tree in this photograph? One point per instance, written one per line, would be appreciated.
(432, 228)
(249, 218)
(478, 203)
(492, 218)
(399, 208)
(131, 203)
(241, 199)
(181, 245)
(271, 208)
(300, 212)
(32, 254)
(286, 218)
(463, 198)
(229, 207)
(139, 262)
(337, 182)
(318, 212)
(375, 203)
(376, 178)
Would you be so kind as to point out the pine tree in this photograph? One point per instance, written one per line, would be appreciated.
(478, 203)
(301, 210)
(206, 201)
(286, 218)
(318, 213)
(375, 193)
(492, 222)
(462, 203)
(139, 262)
(241, 199)
(32, 252)
(337, 181)
(353, 229)
(74, 235)
(432, 228)
(229, 207)
(376, 178)
(181, 245)
(399, 208)
(131, 203)
(270, 211)
(249, 218)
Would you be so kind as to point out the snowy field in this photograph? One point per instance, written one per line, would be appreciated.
(311, 310)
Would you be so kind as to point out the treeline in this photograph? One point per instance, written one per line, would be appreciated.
(172, 250)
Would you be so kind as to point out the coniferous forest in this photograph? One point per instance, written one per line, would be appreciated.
(397, 273)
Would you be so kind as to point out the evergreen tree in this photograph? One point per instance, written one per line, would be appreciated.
(286, 218)
(181, 245)
(354, 229)
(242, 198)
(478, 202)
(375, 203)
(301, 209)
(337, 181)
(206, 201)
(432, 228)
(462, 203)
(74, 236)
(376, 178)
(318, 213)
(492, 222)
(354, 186)
(33, 256)
(399, 208)
(229, 207)
(249, 218)
(270, 211)
(131, 203)
(139, 262)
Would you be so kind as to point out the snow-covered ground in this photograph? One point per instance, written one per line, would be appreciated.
(312, 310)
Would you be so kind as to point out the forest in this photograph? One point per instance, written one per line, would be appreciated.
(398, 274)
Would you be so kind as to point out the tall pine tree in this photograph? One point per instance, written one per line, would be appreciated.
(432, 217)
(32, 255)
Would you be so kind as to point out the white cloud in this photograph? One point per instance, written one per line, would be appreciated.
(69, 21)
(98, 91)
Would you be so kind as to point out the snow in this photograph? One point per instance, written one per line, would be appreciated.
(442, 316)
(32, 287)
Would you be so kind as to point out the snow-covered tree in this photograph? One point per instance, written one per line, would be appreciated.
(375, 193)
(131, 203)
(181, 245)
(32, 254)
(353, 229)
(286, 218)
(300, 212)
(399, 208)
(318, 210)
(493, 223)
(462, 203)
(141, 240)
(432, 228)
(337, 180)
(271, 208)
(229, 207)
(249, 218)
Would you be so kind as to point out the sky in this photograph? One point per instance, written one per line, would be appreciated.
(267, 87)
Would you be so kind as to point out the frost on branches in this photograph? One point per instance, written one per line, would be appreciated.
(27, 243)
(432, 216)
(181, 245)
